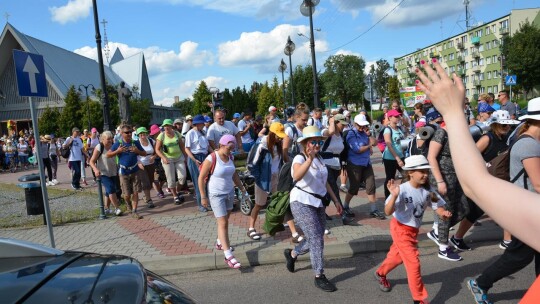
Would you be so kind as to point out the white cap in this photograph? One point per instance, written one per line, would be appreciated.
(272, 108)
(361, 120)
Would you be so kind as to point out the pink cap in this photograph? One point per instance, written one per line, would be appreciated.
(393, 113)
(226, 139)
(420, 124)
(94, 130)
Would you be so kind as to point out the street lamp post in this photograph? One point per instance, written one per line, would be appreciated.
(104, 96)
(87, 100)
(289, 49)
(282, 67)
(307, 8)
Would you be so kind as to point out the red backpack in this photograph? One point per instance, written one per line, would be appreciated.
(212, 167)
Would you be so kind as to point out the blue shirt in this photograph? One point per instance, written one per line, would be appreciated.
(127, 160)
(356, 140)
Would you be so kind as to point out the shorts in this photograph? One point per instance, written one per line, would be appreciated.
(130, 183)
(261, 196)
(221, 203)
(159, 173)
(109, 184)
(146, 176)
(357, 174)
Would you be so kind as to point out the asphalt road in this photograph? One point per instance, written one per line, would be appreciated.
(354, 278)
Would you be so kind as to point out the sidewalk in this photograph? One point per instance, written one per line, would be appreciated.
(174, 239)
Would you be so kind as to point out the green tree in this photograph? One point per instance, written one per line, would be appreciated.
(141, 115)
(201, 98)
(344, 79)
(393, 88)
(303, 85)
(266, 98)
(522, 57)
(48, 122)
(71, 113)
(186, 106)
(380, 78)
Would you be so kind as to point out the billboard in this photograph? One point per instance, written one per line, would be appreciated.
(409, 96)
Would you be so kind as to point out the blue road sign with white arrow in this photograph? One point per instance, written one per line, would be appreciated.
(30, 71)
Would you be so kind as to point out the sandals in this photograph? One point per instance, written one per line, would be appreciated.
(297, 239)
(252, 234)
(232, 262)
(219, 247)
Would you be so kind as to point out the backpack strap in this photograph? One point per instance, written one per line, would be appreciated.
(522, 171)
(326, 143)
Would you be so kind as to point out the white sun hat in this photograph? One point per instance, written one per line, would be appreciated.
(416, 162)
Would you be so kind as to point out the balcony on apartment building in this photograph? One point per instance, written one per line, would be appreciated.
(475, 40)
(460, 45)
(460, 72)
(476, 69)
(504, 30)
(434, 55)
(477, 83)
(475, 53)
(460, 58)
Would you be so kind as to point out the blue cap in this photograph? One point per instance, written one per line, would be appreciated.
(236, 115)
(484, 107)
(198, 119)
(430, 116)
(207, 118)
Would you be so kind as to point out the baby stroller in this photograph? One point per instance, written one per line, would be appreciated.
(246, 202)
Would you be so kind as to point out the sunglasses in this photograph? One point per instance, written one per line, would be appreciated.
(317, 142)
(127, 132)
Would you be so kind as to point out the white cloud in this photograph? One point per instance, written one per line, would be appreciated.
(165, 96)
(263, 51)
(159, 61)
(71, 12)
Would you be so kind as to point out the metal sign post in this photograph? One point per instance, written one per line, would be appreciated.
(31, 81)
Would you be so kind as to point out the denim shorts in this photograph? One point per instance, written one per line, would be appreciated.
(109, 184)
(221, 203)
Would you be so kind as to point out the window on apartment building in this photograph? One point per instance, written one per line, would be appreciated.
(474, 63)
(488, 75)
(495, 43)
(465, 38)
(504, 24)
(466, 65)
(488, 60)
(474, 91)
(495, 89)
(481, 48)
(489, 90)
(466, 79)
(487, 30)
(479, 33)
(494, 59)
(445, 57)
(452, 69)
(481, 76)
(465, 52)
(493, 28)
(495, 74)
(467, 92)
(451, 43)
(451, 56)
(481, 61)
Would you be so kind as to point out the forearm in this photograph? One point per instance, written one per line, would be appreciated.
(301, 169)
(390, 207)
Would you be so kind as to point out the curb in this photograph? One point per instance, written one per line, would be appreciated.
(274, 255)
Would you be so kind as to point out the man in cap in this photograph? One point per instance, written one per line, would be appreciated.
(188, 122)
(76, 157)
(236, 118)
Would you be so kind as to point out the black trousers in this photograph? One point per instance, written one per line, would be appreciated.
(390, 168)
(516, 257)
(47, 164)
(333, 175)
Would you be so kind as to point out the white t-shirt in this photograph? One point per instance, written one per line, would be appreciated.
(314, 181)
(335, 147)
(146, 160)
(22, 148)
(246, 138)
(289, 131)
(196, 142)
(411, 203)
(221, 181)
(76, 148)
(215, 131)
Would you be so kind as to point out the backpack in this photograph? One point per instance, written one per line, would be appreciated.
(161, 137)
(499, 166)
(345, 153)
(413, 149)
(251, 155)
(212, 166)
(285, 180)
(65, 151)
(296, 147)
(381, 143)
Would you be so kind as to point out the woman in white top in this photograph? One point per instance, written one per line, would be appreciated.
(197, 148)
(22, 149)
(146, 164)
(219, 166)
(105, 169)
(307, 204)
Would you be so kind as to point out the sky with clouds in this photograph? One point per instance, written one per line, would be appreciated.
(230, 43)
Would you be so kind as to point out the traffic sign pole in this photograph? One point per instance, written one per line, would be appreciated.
(42, 172)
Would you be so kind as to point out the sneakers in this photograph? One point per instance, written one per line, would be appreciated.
(290, 260)
(434, 237)
(377, 214)
(384, 285)
(349, 221)
(150, 204)
(480, 295)
(49, 183)
(343, 188)
(459, 244)
(297, 239)
(326, 232)
(118, 212)
(178, 200)
(161, 195)
(347, 211)
(323, 283)
(55, 181)
(449, 255)
(504, 245)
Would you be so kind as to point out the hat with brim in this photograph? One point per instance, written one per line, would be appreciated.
(154, 129)
(340, 118)
(503, 117)
(167, 122)
(310, 132)
(361, 120)
(46, 137)
(198, 119)
(278, 129)
(207, 119)
(141, 130)
(416, 162)
(178, 121)
(533, 110)
(393, 113)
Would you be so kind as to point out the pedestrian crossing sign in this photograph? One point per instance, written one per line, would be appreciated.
(511, 80)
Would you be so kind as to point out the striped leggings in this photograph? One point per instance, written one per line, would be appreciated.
(312, 222)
